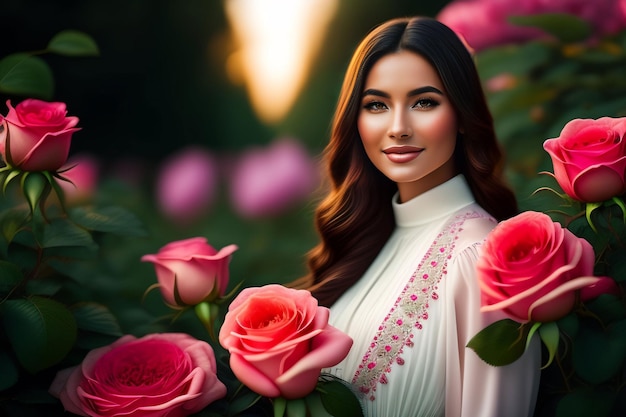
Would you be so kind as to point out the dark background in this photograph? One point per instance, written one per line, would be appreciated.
(160, 84)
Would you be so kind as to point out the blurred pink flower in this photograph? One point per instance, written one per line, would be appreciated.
(267, 181)
(186, 184)
(484, 23)
(84, 175)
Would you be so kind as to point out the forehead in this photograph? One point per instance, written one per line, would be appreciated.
(402, 69)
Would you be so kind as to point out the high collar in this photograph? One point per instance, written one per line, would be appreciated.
(435, 203)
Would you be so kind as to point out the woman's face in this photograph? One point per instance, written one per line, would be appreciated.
(407, 124)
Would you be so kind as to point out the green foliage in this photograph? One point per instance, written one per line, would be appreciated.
(565, 27)
(51, 331)
(500, 343)
(73, 43)
(28, 75)
(546, 84)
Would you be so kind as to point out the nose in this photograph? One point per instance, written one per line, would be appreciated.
(400, 127)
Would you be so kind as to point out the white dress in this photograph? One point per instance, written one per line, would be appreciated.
(413, 312)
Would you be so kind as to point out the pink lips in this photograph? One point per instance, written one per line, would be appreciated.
(402, 154)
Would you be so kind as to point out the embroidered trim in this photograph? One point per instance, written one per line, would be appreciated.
(408, 312)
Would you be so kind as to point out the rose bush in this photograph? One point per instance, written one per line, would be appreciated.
(37, 135)
(485, 23)
(169, 374)
(532, 267)
(279, 340)
(191, 271)
(589, 158)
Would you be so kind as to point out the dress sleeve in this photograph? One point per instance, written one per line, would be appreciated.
(474, 388)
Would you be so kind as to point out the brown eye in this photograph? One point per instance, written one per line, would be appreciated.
(425, 103)
(375, 106)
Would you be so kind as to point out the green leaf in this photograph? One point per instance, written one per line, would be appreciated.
(564, 26)
(64, 233)
(296, 408)
(41, 331)
(10, 373)
(34, 186)
(316, 407)
(73, 43)
(242, 402)
(112, 219)
(500, 343)
(280, 405)
(10, 276)
(599, 354)
(26, 75)
(338, 399)
(549, 333)
(96, 318)
(585, 402)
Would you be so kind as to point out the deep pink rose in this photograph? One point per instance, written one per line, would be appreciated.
(199, 272)
(589, 158)
(279, 340)
(169, 375)
(267, 181)
(37, 135)
(531, 268)
(187, 184)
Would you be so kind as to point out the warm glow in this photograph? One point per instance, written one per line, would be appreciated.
(278, 40)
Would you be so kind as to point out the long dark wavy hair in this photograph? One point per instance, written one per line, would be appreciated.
(355, 219)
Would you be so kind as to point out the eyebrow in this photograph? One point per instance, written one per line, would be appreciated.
(417, 91)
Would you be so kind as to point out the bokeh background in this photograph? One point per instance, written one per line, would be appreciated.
(163, 85)
(207, 118)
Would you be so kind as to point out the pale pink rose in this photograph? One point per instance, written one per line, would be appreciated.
(279, 340)
(159, 375)
(267, 181)
(187, 184)
(37, 135)
(193, 269)
(589, 158)
(83, 177)
(532, 267)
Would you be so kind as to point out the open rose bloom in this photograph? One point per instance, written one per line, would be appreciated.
(279, 340)
(589, 158)
(37, 135)
(169, 374)
(531, 268)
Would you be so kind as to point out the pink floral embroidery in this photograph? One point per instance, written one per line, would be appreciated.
(408, 312)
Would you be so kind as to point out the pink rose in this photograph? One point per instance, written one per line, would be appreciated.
(266, 181)
(187, 184)
(37, 135)
(589, 158)
(279, 340)
(83, 175)
(191, 271)
(531, 268)
(169, 375)
(485, 23)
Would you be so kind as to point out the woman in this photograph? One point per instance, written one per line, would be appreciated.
(415, 186)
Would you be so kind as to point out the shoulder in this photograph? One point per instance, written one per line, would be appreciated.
(474, 226)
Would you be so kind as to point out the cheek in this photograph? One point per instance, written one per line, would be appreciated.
(440, 129)
(371, 129)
